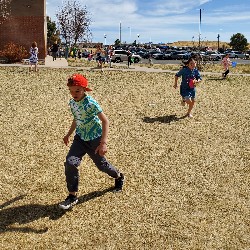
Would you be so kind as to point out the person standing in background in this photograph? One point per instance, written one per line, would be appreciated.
(129, 54)
(54, 50)
(33, 60)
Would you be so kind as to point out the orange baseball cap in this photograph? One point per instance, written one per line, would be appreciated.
(78, 80)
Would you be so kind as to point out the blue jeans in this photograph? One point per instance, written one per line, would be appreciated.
(77, 150)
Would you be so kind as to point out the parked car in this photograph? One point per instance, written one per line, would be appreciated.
(159, 56)
(237, 54)
(149, 54)
(140, 53)
(213, 55)
(179, 55)
(247, 54)
(121, 55)
(167, 55)
(199, 55)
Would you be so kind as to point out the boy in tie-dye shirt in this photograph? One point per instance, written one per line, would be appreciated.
(91, 131)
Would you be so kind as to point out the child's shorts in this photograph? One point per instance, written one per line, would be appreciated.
(188, 94)
(100, 59)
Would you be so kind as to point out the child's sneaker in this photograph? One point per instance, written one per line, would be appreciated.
(119, 183)
(69, 202)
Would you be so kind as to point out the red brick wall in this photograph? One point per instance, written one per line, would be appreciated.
(25, 26)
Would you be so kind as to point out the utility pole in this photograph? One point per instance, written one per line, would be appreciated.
(130, 34)
(105, 39)
(120, 32)
(218, 37)
(200, 30)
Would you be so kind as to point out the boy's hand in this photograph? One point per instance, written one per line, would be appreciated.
(102, 149)
(175, 85)
(66, 140)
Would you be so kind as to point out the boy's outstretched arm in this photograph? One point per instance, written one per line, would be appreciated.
(71, 130)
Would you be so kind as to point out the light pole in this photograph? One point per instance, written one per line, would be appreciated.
(130, 34)
(105, 37)
(218, 37)
(120, 32)
(200, 30)
(138, 35)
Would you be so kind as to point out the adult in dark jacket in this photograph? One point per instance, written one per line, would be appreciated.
(54, 50)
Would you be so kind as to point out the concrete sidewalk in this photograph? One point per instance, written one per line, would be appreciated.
(62, 63)
(58, 63)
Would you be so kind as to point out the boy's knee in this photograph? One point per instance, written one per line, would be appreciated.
(72, 163)
(73, 160)
(70, 169)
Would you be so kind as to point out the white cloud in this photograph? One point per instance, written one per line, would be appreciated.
(205, 1)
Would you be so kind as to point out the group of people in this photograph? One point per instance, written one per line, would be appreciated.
(55, 52)
(33, 59)
(102, 59)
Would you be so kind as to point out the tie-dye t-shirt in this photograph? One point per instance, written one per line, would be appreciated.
(88, 125)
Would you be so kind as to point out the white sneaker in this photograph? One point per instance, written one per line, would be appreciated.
(69, 202)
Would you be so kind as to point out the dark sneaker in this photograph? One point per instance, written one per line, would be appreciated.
(69, 202)
(119, 183)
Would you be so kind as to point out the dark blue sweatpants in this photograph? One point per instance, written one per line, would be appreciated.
(77, 150)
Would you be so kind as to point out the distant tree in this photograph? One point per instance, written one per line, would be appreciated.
(117, 42)
(52, 33)
(74, 22)
(5, 10)
(238, 42)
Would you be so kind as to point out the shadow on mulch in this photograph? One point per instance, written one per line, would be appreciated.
(32, 212)
(163, 119)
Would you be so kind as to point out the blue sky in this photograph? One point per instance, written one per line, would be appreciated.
(164, 20)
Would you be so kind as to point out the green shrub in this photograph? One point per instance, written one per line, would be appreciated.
(13, 52)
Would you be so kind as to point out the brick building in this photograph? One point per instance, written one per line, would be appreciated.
(24, 23)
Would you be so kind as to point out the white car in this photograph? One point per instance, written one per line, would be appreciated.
(237, 54)
(121, 55)
(214, 55)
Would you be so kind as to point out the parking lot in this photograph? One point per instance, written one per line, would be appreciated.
(145, 61)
